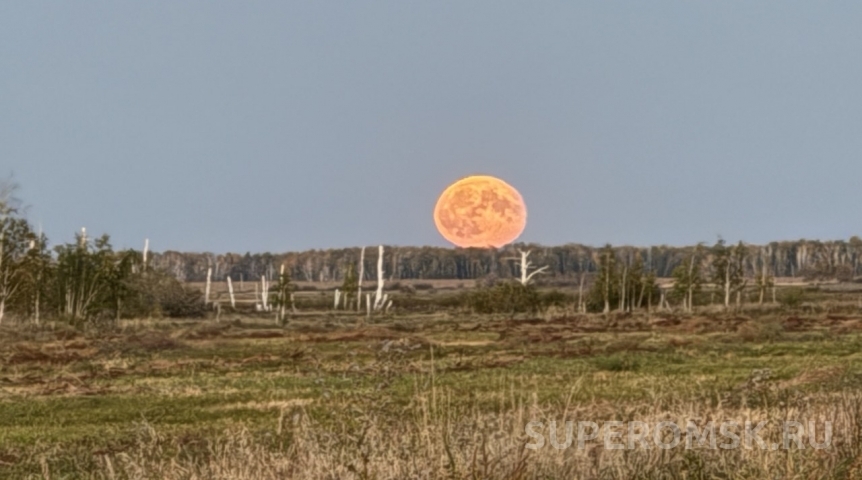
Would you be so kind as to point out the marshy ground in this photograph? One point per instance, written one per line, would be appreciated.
(440, 395)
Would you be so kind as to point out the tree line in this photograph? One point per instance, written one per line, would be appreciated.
(810, 259)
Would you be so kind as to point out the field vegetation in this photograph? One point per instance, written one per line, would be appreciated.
(433, 395)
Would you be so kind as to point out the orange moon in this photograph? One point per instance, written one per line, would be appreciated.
(480, 211)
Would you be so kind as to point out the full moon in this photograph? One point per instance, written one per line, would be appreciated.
(480, 211)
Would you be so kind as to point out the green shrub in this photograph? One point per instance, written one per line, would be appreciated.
(157, 294)
(504, 297)
(791, 297)
(617, 363)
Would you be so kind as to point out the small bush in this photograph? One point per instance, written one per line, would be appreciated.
(768, 331)
(555, 298)
(791, 298)
(158, 294)
(617, 363)
(505, 297)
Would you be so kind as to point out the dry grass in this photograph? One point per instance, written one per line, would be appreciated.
(435, 440)
(436, 396)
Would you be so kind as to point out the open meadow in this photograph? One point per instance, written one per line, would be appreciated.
(429, 394)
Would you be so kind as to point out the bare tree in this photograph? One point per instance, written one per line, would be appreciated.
(728, 269)
(359, 280)
(230, 292)
(764, 281)
(524, 265)
(207, 288)
(687, 279)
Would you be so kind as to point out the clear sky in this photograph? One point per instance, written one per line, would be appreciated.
(276, 126)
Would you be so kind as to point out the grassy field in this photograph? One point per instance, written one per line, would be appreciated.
(443, 395)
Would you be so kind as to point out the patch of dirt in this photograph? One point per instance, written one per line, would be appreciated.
(271, 405)
(499, 361)
(256, 334)
(26, 354)
(369, 333)
(848, 326)
(797, 324)
(816, 376)
(70, 388)
(466, 343)
(206, 332)
(151, 342)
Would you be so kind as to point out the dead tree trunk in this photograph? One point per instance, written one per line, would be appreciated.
(264, 293)
(368, 305)
(359, 281)
(727, 286)
(207, 290)
(607, 294)
(283, 296)
(524, 265)
(230, 292)
(378, 295)
(690, 294)
(581, 306)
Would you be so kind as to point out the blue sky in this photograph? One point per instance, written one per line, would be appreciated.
(236, 126)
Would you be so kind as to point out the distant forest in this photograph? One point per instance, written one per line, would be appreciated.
(810, 259)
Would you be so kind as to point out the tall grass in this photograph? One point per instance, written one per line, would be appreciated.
(434, 438)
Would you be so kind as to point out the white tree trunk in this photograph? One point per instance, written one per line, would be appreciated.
(524, 265)
(359, 281)
(281, 295)
(337, 298)
(36, 306)
(207, 290)
(378, 295)
(368, 304)
(727, 286)
(690, 295)
(607, 292)
(581, 305)
(623, 288)
(230, 291)
(146, 250)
